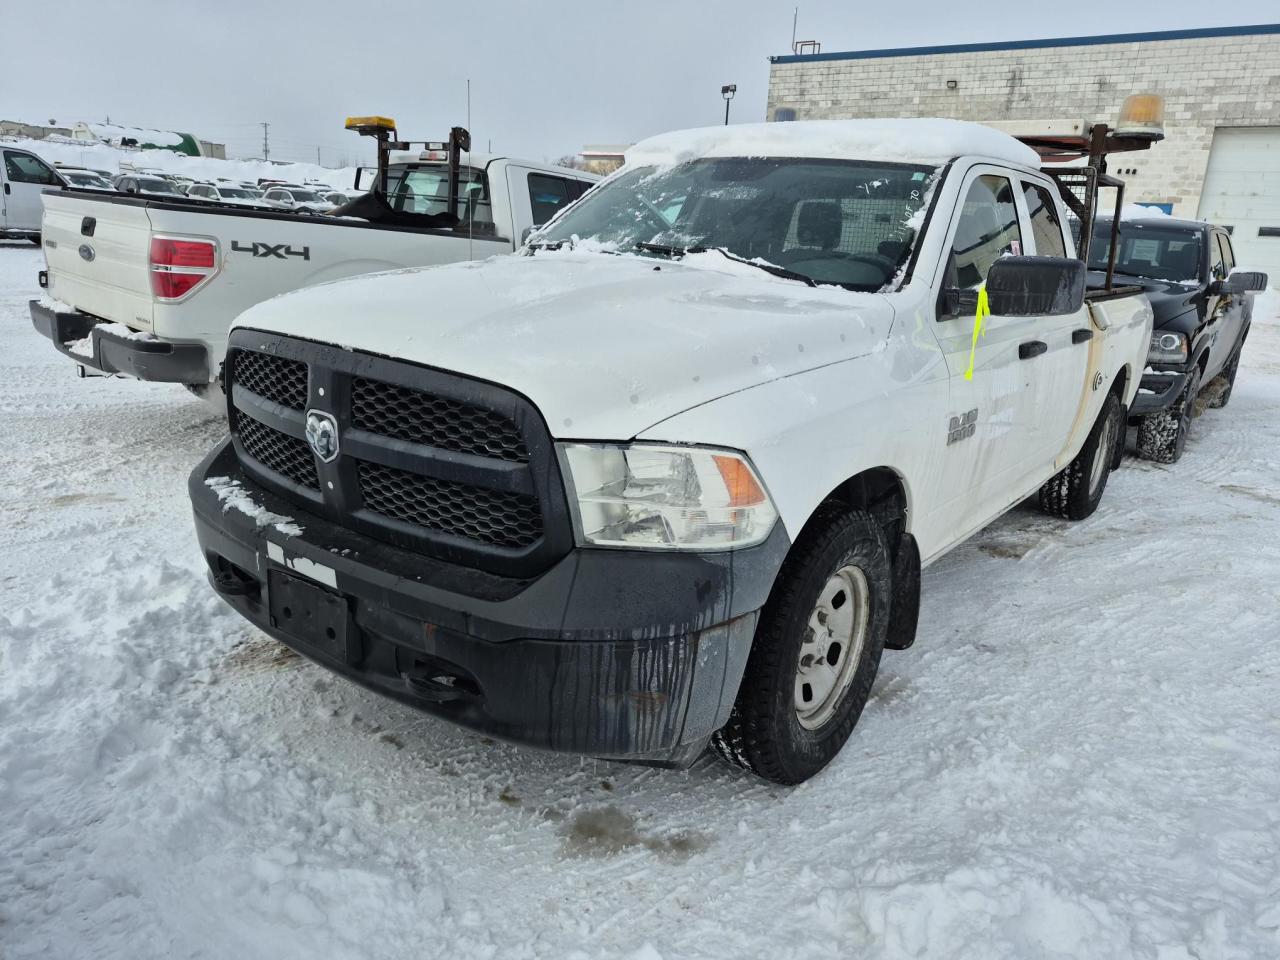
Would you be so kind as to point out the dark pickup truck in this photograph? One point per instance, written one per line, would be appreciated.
(1202, 306)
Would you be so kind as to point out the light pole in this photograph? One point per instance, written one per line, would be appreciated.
(727, 91)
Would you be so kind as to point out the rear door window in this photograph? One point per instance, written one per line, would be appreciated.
(1046, 228)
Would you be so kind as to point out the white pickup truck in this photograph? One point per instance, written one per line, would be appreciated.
(147, 287)
(670, 476)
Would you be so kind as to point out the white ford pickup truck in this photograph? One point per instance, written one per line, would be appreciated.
(669, 477)
(147, 287)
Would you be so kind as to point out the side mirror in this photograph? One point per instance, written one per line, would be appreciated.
(1035, 286)
(1242, 281)
(525, 234)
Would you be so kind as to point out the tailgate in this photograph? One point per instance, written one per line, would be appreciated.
(107, 273)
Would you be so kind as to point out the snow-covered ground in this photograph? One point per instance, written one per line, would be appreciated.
(1080, 758)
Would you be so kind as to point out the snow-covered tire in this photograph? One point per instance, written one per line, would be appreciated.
(778, 729)
(1223, 396)
(1162, 436)
(1075, 491)
(211, 394)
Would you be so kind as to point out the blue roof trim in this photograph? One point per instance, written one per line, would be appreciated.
(1261, 29)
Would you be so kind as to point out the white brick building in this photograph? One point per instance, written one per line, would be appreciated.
(1221, 157)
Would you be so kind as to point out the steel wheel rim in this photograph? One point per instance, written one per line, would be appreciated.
(831, 649)
(1102, 455)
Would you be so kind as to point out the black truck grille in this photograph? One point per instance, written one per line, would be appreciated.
(286, 455)
(503, 519)
(429, 461)
(276, 378)
(418, 417)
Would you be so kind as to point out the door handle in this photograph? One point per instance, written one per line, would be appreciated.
(1081, 336)
(1032, 348)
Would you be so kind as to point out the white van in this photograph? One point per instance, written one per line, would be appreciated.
(23, 176)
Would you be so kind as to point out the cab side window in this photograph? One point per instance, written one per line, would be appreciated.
(547, 196)
(1228, 257)
(988, 229)
(1046, 229)
(1217, 264)
(24, 168)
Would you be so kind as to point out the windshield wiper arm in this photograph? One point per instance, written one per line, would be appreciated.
(666, 249)
(767, 267)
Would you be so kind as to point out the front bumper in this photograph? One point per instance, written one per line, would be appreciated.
(623, 654)
(1158, 390)
(110, 353)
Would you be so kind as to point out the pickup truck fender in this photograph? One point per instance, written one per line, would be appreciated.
(881, 414)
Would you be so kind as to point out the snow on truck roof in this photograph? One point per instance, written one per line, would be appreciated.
(933, 141)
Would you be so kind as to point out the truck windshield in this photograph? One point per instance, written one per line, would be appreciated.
(843, 222)
(1152, 253)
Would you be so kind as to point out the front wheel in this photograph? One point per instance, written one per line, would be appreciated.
(1074, 492)
(1162, 436)
(816, 651)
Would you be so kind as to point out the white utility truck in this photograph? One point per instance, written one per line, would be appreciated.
(670, 476)
(23, 178)
(147, 286)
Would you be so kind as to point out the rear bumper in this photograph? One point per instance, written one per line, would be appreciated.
(624, 654)
(110, 353)
(1158, 391)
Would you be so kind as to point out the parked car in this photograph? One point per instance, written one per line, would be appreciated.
(180, 272)
(297, 199)
(227, 193)
(150, 186)
(1203, 308)
(23, 177)
(669, 476)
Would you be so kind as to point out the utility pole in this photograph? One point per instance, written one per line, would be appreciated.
(318, 163)
(266, 143)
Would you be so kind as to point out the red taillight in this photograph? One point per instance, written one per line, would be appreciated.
(171, 286)
(179, 266)
(181, 253)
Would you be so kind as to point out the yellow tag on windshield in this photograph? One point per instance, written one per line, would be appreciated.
(979, 316)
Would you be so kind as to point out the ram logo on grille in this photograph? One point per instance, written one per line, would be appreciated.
(322, 435)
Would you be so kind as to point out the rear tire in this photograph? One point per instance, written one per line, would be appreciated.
(1162, 436)
(1075, 491)
(816, 650)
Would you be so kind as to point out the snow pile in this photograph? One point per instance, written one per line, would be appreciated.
(84, 346)
(101, 156)
(234, 497)
(115, 133)
(931, 141)
(1137, 211)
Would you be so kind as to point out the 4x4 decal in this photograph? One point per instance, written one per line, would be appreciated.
(279, 250)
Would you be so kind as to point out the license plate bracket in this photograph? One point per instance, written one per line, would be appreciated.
(310, 614)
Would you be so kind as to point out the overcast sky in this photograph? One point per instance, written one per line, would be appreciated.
(546, 77)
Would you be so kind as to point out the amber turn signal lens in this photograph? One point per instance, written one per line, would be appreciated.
(744, 490)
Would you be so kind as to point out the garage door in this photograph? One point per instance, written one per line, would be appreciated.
(1242, 192)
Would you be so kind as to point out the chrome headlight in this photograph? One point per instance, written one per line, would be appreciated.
(1167, 348)
(653, 496)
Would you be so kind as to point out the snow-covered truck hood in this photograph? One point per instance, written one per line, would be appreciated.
(605, 346)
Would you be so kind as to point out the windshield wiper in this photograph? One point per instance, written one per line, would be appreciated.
(767, 267)
(665, 249)
(777, 271)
